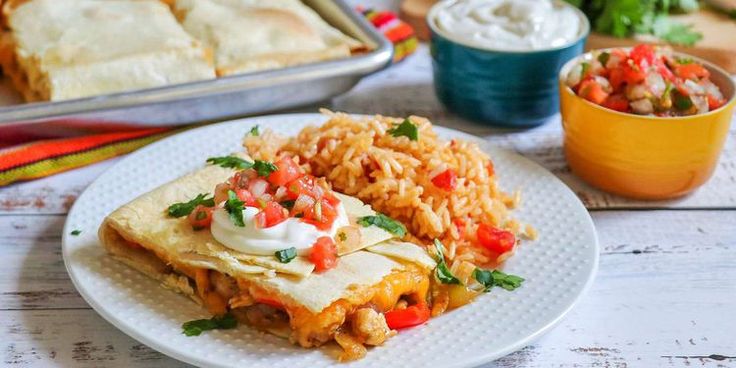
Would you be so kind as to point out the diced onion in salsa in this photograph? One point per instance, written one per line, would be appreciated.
(647, 80)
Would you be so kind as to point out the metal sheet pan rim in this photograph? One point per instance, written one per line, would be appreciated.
(362, 64)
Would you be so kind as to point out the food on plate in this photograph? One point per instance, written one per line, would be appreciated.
(57, 50)
(269, 238)
(645, 80)
(280, 33)
(510, 24)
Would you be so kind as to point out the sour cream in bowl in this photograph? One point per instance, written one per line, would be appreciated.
(513, 25)
(496, 61)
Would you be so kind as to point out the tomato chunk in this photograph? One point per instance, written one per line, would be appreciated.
(592, 91)
(494, 239)
(246, 196)
(446, 180)
(302, 185)
(287, 171)
(643, 55)
(408, 317)
(617, 102)
(691, 71)
(201, 217)
(323, 254)
(322, 215)
(272, 214)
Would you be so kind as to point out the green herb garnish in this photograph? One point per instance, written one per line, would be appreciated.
(196, 327)
(185, 208)
(234, 208)
(584, 70)
(442, 271)
(681, 101)
(684, 60)
(406, 129)
(603, 58)
(624, 18)
(493, 278)
(76, 232)
(385, 223)
(264, 168)
(287, 204)
(254, 131)
(286, 255)
(232, 162)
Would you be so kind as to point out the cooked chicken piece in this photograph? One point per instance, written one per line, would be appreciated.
(370, 326)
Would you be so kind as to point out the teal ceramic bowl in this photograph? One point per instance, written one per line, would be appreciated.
(503, 88)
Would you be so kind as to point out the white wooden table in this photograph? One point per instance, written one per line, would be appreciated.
(665, 294)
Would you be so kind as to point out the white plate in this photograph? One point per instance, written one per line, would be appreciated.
(558, 267)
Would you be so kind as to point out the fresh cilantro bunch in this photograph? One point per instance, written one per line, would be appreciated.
(624, 18)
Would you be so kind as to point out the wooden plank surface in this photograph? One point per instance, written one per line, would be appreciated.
(665, 290)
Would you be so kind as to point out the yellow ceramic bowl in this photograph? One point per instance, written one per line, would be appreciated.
(644, 157)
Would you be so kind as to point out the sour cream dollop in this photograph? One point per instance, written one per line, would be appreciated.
(253, 240)
(509, 25)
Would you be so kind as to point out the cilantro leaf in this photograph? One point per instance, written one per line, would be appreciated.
(442, 271)
(681, 101)
(506, 281)
(254, 131)
(493, 278)
(230, 162)
(385, 223)
(674, 32)
(185, 208)
(196, 327)
(234, 208)
(76, 232)
(406, 129)
(288, 204)
(286, 255)
(264, 168)
(603, 58)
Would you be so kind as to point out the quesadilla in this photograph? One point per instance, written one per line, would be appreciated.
(57, 50)
(251, 35)
(278, 250)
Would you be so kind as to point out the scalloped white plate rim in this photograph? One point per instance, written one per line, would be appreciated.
(263, 121)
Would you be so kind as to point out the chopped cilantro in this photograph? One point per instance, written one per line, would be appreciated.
(234, 208)
(288, 204)
(230, 162)
(196, 327)
(286, 255)
(385, 223)
(264, 168)
(603, 58)
(493, 278)
(406, 129)
(254, 131)
(584, 70)
(185, 208)
(76, 232)
(681, 101)
(442, 271)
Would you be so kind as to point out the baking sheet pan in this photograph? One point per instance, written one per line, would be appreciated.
(210, 100)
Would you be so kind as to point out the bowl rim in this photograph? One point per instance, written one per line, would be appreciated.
(709, 65)
(584, 31)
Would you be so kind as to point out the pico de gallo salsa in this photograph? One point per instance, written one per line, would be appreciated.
(646, 80)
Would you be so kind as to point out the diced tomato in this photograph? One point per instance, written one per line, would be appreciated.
(643, 55)
(331, 199)
(302, 185)
(446, 180)
(691, 71)
(322, 215)
(201, 217)
(714, 102)
(272, 214)
(633, 74)
(287, 171)
(410, 316)
(494, 239)
(592, 91)
(270, 302)
(246, 196)
(616, 78)
(617, 102)
(323, 254)
(663, 70)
